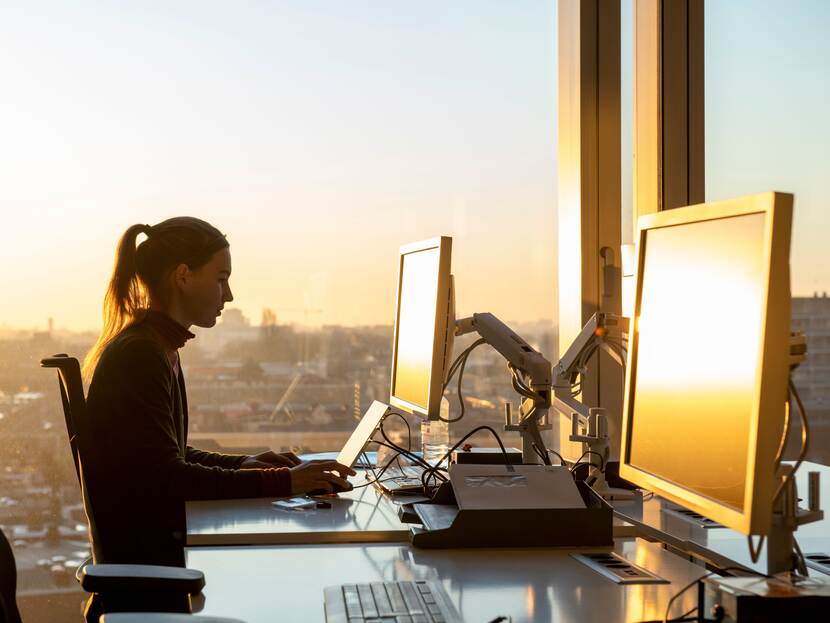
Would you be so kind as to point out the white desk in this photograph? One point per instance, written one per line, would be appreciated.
(286, 583)
(359, 516)
(723, 543)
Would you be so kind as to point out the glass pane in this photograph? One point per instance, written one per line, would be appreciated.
(320, 136)
(627, 119)
(767, 92)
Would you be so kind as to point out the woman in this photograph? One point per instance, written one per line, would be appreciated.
(143, 470)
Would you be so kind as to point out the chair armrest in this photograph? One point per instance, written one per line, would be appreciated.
(154, 617)
(152, 578)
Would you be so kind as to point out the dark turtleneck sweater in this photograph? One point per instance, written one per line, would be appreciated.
(143, 470)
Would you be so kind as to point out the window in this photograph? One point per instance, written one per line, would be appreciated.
(320, 136)
(627, 120)
(767, 91)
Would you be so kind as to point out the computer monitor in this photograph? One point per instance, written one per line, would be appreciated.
(707, 374)
(424, 326)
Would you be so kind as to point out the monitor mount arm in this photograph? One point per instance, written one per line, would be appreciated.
(589, 425)
(524, 361)
(786, 514)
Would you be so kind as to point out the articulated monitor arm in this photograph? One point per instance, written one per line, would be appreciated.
(589, 425)
(571, 365)
(524, 361)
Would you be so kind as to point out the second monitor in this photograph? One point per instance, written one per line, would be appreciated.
(424, 326)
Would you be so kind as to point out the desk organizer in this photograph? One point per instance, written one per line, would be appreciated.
(444, 525)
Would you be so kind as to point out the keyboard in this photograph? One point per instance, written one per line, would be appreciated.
(390, 602)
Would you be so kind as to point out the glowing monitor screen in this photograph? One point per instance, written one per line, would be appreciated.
(417, 307)
(700, 327)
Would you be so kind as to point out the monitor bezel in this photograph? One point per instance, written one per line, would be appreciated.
(772, 375)
(440, 324)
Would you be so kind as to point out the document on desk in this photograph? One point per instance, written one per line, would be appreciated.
(479, 487)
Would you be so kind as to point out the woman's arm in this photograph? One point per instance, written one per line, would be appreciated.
(214, 459)
(149, 428)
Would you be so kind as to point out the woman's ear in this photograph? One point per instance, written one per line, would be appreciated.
(181, 275)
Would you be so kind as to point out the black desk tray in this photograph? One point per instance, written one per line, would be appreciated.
(444, 525)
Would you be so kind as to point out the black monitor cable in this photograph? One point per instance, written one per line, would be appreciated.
(403, 451)
(435, 469)
(399, 451)
(458, 365)
(579, 462)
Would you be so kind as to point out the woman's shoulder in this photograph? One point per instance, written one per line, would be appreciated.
(134, 345)
(132, 367)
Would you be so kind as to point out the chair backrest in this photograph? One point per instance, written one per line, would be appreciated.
(8, 583)
(71, 388)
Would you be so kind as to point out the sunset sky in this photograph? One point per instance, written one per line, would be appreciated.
(322, 135)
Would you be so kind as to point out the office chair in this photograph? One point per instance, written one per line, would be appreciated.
(118, 588)
(8, 583)
(106, 578)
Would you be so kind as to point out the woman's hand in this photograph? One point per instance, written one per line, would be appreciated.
(269, 459)
(319, 476)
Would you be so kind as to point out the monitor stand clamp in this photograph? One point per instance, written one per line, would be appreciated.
(786, 593)
(596, 440)
(786, 519)
(786, 515)
(593, 434)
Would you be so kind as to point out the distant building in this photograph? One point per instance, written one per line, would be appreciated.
(234, 318)
(811, 316)
(233, 327)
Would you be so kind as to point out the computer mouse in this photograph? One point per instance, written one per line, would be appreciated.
(335, 489)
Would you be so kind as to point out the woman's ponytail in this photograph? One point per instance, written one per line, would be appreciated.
(125, 296)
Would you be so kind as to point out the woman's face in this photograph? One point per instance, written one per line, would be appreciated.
(205, 291)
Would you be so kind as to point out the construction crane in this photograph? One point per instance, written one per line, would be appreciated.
(284, 399)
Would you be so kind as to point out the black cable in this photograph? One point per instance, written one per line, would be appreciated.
(621, 352)
(803, 564)
(520, 386)
(400, 451)
(407, 453)
(455, 364)
(805, 430)
(461, 441)
(755, 553)
(538, 452)
(779, 455)
(666, 618)
(378, 475)
(573, 469)
(420, 461)
(586, 453)
(461, 367)
(408, 428)
(559, 456)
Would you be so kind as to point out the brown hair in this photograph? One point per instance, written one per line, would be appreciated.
(140, 272)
